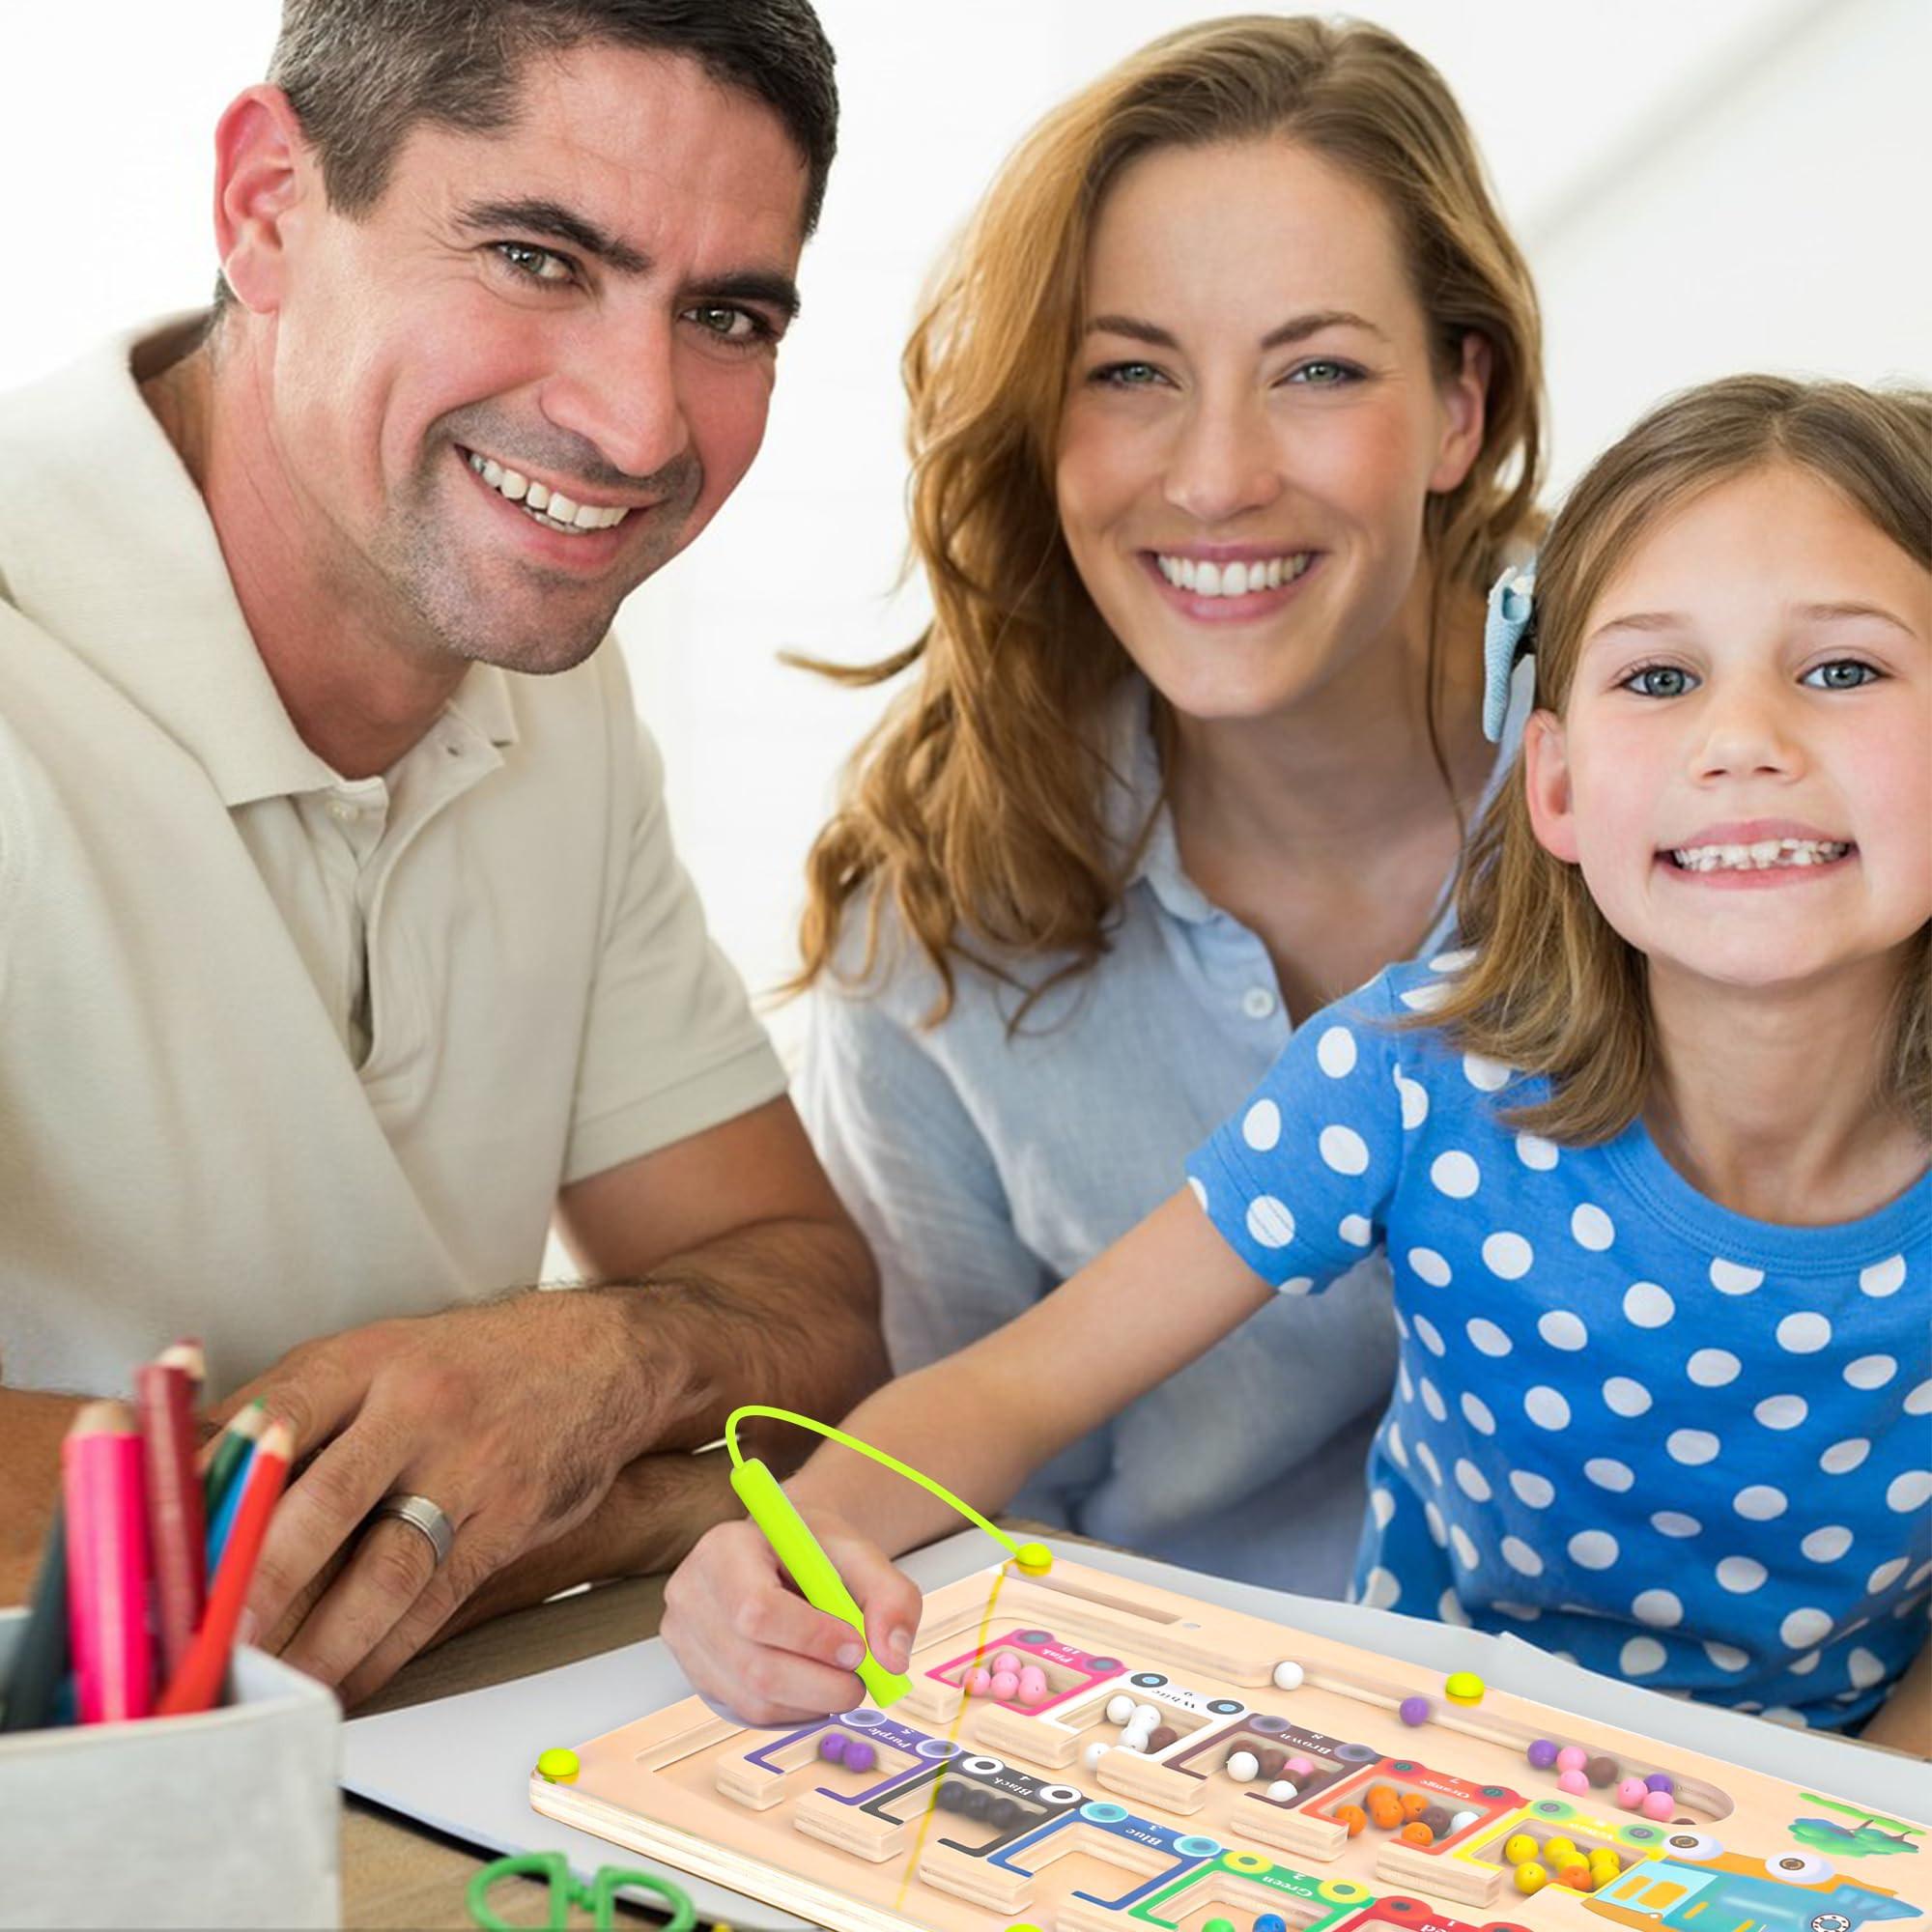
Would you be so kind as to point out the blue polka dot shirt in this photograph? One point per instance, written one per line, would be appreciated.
(1670, 1443)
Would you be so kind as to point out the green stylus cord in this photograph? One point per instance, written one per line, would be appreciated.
(807, 1564)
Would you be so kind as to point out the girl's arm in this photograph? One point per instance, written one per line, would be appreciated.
(1904, 1720)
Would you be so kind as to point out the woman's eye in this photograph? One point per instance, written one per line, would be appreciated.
(1322, 375)
(535, 264)
(1127, 375)
(1841, 674)
(1659, 681)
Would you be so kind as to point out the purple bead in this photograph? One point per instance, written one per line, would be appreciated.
(1660, 1781)
(859, 1755)
(1413, 1710)
(832, 1746)
(1542, 1753)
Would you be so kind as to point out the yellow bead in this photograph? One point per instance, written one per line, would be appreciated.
(1463, 1688)
(1519, 1849)
(1531, 1877)
(558, 1766)
(1558, 1853)
(1036, 1560)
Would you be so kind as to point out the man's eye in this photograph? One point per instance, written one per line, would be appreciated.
(1841, 674)
(1659, 681)
(729, 324)
(535, 264)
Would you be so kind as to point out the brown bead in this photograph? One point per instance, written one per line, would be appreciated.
(1603, 1770)
(1160, 1738)
(1270, 1758)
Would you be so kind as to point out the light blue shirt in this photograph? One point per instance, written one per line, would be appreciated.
(985, 1169)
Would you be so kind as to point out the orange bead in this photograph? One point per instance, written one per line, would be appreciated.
(1375, 1791)
(1385, 1817)
(1413, 1805)
(1352, 1816)
(1416, 1833)
(1576, 1876)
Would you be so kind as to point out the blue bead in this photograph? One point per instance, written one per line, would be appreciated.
(1270, 1921)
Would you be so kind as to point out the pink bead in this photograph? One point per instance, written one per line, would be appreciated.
(1572, 1781)
(1631, 1793)
(1003, 1685)
(1009, 1660)
(1572, 1757)
(1659, 1805)
(979, 1683)
(1299, 1767)
(1032, 1685)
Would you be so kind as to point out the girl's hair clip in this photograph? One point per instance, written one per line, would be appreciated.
(1509, 634)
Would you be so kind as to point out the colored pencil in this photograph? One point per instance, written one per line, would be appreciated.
(234, 1444)
(197, 1684)
(175, 1528)
(223, 1523)
(107, 1563)
(188, 1355)
(31, 1690)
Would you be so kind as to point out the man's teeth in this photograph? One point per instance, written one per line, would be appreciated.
(1763, 855)
(1233, 580)
(549, 507)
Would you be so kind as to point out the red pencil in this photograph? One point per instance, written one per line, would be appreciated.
(174, 1529)
(197, 1684)
(107, 1563)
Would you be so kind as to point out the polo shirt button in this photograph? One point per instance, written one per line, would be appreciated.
(340, 812)
(1258, 1003)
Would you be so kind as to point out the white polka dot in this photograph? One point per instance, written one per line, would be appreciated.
(1538, 1492)
(1431, 1401)
(1381, 1591)
(1674, 1523)
(1693, 1447)
(1591, 1228)
(1803, 1333)
(1607, 1473)
(1826, 1545)
(1296, 1284)
(1520, 1557)
(1729, 1278)
(1465, 1547)
(1886, 1575)
(1802, 1629)
(1487, 1076)
(1381, 1506)
(1842, 1458)
(1760, 1502)
(1870, 1371)
(1449, 1609)
(1647, 1306)
(1594, 1549)
(1427, 997)
(1908, 1492)
(1455, 1174)
(1438, 1530)
(1508, 1256)
(1524, 1613)
(1199, 1191)
(1783, 1714)
(1344, 1149)
(1547, 1407)
(1782, 1411)
(1260, 1126)
(1453, 961)
(1640, 1656)
(1426, 1333)
(1485, 1335)
(1335, 1052)
(1533, 1151)
(1426, 1456)
(1430, 1267)
(1714, 1368)
(1804, 1667)
(1472, 1481)
(1919, 1401)
(1392, 1442)
(1662, 1609)
(1404, 1382)
(1864, 1669)
(1477, 1413)
(1269, 1222)
(1357, 1229)
(1742, 1574)
(1562, 1331)
(1727, 1656)
(1883, 1278)
(1623, 1397)
(1414, 1100)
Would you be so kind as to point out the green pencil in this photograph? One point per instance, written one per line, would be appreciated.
(40, 1658)
(237, 1439)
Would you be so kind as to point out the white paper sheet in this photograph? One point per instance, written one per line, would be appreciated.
(462, 1764)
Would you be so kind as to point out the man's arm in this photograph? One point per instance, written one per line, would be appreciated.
(31, 1426)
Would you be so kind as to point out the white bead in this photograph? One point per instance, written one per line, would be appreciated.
(1093, 1756)
(1282, 1791)
(1147, 1714)
(1119, 1708)
(1243, 1767)
(1461, 1822)
(1286, 1676)
(1132, 1740)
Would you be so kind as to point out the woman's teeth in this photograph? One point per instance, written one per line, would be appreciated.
(1763, 855)
(549, 507)
(1231, 579)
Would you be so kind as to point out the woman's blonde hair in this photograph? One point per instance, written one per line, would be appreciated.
(1553, 989)
(976, 805)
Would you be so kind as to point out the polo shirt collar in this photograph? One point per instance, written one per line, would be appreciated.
(109, 547)
(1135, 803)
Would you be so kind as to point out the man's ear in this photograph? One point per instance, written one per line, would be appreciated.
(1546, 762)
(261, 172)
(1466, 399)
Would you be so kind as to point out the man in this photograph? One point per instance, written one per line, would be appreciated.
(335, 956)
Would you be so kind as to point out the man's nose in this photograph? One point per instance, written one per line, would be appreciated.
(1223, 460)
(618, 391)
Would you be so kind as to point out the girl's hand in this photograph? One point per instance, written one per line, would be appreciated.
(753, 1646)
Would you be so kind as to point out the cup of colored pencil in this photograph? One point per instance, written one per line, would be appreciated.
(148, 1560)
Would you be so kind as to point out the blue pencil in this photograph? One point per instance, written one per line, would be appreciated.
(224, 1516)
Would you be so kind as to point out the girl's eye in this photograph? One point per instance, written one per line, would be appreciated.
(1322, 374)
(535, 264)
(1127, 375)
(1659, 681)
(1841, 674)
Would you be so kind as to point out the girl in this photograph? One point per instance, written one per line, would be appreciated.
(1649, 1156)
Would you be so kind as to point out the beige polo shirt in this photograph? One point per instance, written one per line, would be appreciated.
(281, 1053)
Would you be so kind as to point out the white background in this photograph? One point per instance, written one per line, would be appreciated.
(1702, 186)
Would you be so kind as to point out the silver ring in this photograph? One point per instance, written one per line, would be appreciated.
(420, 1513)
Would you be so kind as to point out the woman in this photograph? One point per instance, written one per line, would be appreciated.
(1223, 416)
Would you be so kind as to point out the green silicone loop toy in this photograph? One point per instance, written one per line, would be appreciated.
(598, 1898)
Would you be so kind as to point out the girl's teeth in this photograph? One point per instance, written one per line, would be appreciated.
(1231, 579)
(1763, 855)
(557, 511)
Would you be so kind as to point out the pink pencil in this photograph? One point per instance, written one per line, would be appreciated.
(107, 1563)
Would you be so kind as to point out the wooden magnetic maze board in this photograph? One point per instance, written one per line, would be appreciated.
(1167, 1763)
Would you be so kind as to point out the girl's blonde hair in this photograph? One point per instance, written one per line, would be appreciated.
(976, 805)
(1553, 989)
